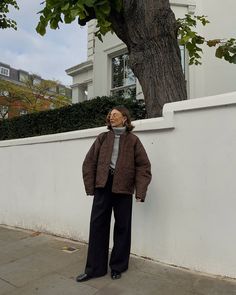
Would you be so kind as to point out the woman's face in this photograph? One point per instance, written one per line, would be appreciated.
(117, 119)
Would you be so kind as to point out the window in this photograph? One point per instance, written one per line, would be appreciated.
(53, 89)
(23, 77)
(4, 71)
(52, 106)
(23, 112)
(36, 81)
(4, 93)
(182, 52)
(123, 79)
(3, 112)
(62, 90)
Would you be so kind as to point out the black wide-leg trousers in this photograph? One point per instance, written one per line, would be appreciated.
(104, 202)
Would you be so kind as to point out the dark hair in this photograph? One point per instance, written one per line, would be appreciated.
(125, 112)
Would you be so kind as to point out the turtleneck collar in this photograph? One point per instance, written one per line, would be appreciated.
(119, 130)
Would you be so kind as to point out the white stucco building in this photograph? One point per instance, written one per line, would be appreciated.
(106, 72)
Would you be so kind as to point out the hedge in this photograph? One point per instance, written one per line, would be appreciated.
(87, 114)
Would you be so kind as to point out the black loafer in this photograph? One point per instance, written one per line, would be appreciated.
(83, 277)
(115, 275)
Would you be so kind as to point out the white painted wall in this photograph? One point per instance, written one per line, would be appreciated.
(214, 76)
(102, 62)
(189, 216)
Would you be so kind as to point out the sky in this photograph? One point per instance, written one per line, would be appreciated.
(48, 56)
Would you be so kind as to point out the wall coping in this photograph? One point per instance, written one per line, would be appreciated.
(201, 103)
(82, 67)
(165, 122)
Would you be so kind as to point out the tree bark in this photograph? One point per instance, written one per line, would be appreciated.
(149, 30)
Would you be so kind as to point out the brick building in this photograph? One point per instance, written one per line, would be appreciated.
(13, 106)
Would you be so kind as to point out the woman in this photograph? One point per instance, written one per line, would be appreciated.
(115, 165)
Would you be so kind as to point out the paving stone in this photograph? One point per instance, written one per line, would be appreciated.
(12, 251)
(8, 236)
(54, 284)
(77, 268)
(100, 283)
(5, 287)
(212, 286)
(37, 265)
(73, 270)
(23, 270)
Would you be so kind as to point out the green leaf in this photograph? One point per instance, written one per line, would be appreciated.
(74, 13)
(190, 46)
(212, 43)
(101, 3)
(191, 61)
(89, 3)
(106, 9)
(54, 24)
(66, 7)
(118, 5)
(234, 59)
(186, 38)
(68, 19)
(219, 52)
(41, 29)
(99, 36)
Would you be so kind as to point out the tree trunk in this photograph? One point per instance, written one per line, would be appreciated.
(149, 29)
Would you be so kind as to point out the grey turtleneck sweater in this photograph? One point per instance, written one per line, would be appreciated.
(118, 131)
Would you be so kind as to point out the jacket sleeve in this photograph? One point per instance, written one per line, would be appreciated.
(89, 166)
(143, 174)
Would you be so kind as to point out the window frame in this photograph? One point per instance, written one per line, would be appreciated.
(123, 87)
(23, 112)
(2, 71)
(23, 77)
(4, 115)
(123, 51)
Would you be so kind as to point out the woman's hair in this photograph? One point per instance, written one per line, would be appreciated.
(125, 112)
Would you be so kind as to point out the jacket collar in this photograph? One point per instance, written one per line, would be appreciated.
(111, 131)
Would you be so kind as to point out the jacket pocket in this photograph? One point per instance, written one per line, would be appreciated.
(126, 179)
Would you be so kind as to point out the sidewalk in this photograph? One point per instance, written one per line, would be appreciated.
(34, 263)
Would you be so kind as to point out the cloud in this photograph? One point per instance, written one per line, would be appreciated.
(48, 56)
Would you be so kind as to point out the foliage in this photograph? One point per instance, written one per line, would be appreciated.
(59, 11)
(31, 97)
(55, 11)
(226, 49)
(86, 10)
(41, 92)
(10, 94)
(88, 114)
(192, 40)
(4, 9)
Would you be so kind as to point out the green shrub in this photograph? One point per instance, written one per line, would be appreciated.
(87, 114)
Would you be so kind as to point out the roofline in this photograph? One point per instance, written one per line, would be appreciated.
(84, 66)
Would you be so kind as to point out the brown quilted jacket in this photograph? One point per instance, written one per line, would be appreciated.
(133, 168)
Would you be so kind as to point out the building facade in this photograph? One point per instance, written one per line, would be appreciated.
(16, 107)
(106, 70)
